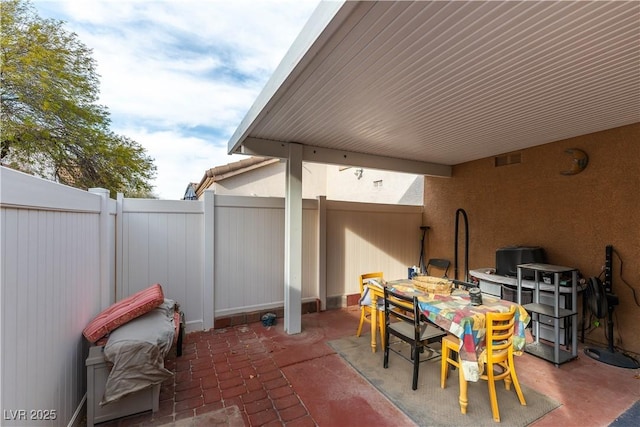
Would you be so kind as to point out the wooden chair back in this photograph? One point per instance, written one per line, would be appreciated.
(408, 328)
(500, 327)
(367, 276)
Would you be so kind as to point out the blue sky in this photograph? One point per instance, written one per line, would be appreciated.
(179, 75)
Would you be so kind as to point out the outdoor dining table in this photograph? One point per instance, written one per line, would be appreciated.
(455, 313)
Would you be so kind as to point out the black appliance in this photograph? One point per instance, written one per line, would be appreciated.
(509, 257)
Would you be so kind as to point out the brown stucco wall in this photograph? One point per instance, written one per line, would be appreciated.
(572, 217)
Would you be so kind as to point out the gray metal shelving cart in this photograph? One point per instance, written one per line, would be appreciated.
(551, 352)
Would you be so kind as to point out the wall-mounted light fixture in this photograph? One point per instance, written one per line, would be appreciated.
(580, 161)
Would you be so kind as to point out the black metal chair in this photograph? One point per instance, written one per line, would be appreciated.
(437, 263)
(408, 328)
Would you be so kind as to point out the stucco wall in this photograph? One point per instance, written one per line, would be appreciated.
(269, 181)
(572, 217)
(355, 184)
(328, 180)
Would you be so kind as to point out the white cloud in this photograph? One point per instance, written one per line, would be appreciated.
(179, 159)
(178, 76)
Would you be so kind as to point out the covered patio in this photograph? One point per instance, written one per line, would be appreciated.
(500, 105)
(488, 100)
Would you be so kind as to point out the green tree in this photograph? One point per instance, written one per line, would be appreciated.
(52, 125)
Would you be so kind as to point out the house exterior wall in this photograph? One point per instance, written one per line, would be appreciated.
(335, 182)
(269, 181)
(573, 217)
(373, 186)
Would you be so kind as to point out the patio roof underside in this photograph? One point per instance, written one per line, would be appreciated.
(421, 86)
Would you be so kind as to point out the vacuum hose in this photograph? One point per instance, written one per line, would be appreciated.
(466, 246)
(421, 264)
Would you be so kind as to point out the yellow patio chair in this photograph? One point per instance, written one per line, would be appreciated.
(449, 352)
(499, 350)
(365, 304)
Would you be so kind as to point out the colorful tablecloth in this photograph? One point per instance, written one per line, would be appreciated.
(455, 314)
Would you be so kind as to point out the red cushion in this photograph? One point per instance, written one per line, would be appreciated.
(123, 311)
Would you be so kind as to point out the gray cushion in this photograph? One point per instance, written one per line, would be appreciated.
(365, 299)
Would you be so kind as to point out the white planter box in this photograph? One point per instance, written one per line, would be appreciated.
(97, 373)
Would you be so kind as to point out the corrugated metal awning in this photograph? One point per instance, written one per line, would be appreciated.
(421, 86)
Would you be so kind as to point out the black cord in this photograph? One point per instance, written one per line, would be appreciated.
(613, 338)
(591, 326)
(633, 291)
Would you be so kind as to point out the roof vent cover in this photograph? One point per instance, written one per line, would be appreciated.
(507, 159)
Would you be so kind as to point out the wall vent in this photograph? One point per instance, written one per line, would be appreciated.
(507, 159)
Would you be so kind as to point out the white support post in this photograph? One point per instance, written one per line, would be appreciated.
(208, 288)
(293, 242)
(106, 296)
(322, 251)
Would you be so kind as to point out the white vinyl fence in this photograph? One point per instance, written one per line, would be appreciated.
(67, 254)
(56, 251)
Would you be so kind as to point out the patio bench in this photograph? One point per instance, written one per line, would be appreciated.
(125, 367)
